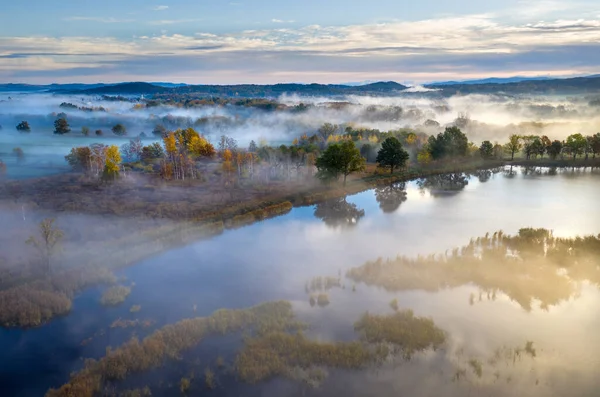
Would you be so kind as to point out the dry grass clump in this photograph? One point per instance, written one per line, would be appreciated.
(35, 303)
(278, 353)
(168, 342)
(407, 333)
(115, 295)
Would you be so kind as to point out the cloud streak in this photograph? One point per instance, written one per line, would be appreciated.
(442, 48)
(160, 8)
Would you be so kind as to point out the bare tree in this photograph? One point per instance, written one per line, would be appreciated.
(46, 246)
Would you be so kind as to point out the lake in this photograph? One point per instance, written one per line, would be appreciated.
(274, 259)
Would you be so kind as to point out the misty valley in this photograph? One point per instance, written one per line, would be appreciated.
(300, 240)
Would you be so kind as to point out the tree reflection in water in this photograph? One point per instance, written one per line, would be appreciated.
(390, 197)
(445, 184)
(339, 213)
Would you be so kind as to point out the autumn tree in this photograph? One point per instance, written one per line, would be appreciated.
(326, 130)
(23, 126)
(80, 158)
(47, 243)
(112, 162)
(576, 144)
(119, 129)
(392, 154)
(61, 126)
(339, 159)
(513, 146)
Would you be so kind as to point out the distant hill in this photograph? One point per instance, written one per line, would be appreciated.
(510, 86)
(244, 90)
(138, 88)
(492, 80)
(576, 85)
(47, 87)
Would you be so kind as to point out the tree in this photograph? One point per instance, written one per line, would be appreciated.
(132, 151)
(119, 129)
(112, 162)
(61, 126)
(85, 131)
(23, 126)
(326, 130)
(252, 148)
(595, 144)
(451, 143)
(392, 154)
(159, 130)
(576, 144)
(339, 159)
(2, 168)
(554, 149)
(50, 237)
(99, 133)
(513, 146)
(80, 158)
(18, 152)
(152, 152)
(486, 150)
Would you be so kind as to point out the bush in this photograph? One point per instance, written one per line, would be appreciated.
(115, 295)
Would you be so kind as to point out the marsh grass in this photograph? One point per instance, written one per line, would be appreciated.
(169, 342)
(209, 379)
(407, 333)
(135, 308)
(279, 354)
(115, 295)
(35, 303)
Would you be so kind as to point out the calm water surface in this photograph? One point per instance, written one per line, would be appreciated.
(273, 260)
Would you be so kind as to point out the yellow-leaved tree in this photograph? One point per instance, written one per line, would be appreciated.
(112, 162)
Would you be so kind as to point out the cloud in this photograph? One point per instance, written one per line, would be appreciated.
(99, 19)
(174, 21)
(471, 46)
(282, 21)
(160, 8)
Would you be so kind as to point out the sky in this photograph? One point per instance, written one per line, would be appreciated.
(322, 41)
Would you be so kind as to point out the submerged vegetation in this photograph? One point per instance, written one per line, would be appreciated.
(115, 295)
(407, 333)
(525, 267)
(168, 342)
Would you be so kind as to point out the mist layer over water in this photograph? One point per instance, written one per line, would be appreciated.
(274, 259)
(482, 117)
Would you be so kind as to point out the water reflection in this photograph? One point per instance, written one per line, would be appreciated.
(339, 213)
(444, 185)
(390, 197)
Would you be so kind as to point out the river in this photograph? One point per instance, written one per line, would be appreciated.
(275, 258)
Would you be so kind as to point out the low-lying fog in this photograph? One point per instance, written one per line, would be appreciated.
(482, 117)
